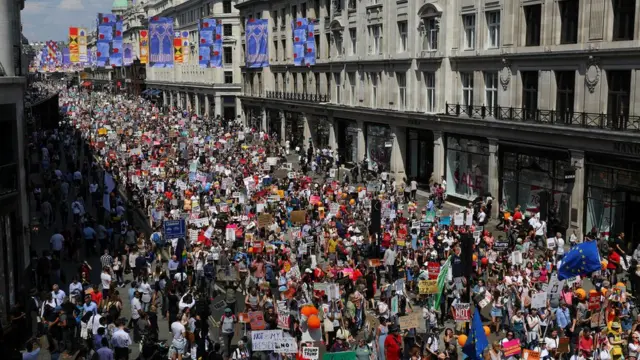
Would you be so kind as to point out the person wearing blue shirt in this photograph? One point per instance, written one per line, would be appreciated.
(90, 237)
(132, 290)
(89, 306)
(32, 353)
(563, 318)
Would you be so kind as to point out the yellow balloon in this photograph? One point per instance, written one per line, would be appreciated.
(487, 330)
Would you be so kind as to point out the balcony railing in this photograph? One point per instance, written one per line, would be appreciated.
(298, 96)
(550, 117)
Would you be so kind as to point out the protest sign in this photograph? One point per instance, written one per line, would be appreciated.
(511, 348)
(298, 216)
(256, 318)
(501, 245)
(434, 269)
(530, 355)
(311, 353)
(375, 262)
(264, 340)
(594, 302)
(286, 345)
(462, 312)
(264, 220)
(563, 345)
(539, 300)
(410, 321)
(428, 287)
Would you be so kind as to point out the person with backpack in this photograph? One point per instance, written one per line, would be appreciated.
(161, 245)
(227, 329)
(209, 272)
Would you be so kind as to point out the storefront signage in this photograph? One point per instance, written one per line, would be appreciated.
(627, 148)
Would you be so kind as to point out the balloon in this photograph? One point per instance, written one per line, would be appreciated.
(462, 339)
(581, 294)
(621, 284)
(352, 202)
(484, 261)
(474, 257)
(487, 330)
(313, 322)
(604, 263)
(604, 291)
(344, 195)
(309, 310)
(359, 188)
(593, 292)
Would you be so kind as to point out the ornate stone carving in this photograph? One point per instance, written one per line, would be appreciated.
(505, 74)
(592, 74)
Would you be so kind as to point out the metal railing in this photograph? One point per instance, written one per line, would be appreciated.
(619, 122)
(298, 96)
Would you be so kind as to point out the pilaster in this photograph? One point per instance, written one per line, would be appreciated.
(576, 214)
(494, 176)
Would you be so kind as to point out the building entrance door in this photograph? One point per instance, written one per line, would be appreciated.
(632, 221)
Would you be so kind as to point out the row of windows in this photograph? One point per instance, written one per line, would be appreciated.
(206, 10)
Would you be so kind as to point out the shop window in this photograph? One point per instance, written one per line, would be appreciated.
(379, 145)
(467, 167)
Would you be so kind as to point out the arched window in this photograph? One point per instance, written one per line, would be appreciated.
(430, 15)
(337, 31)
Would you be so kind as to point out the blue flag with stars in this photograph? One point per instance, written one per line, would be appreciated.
(581, 259)
(476, 340)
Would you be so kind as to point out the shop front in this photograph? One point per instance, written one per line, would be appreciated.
(467, 167)
(419, 163)
(533, 178)
(347, 140)
(294, 129)
(253, 116)
(274, 123)
(613, 197)
(320, 132)
(379, 143)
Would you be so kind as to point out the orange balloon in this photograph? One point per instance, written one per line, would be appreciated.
(593, 292)
(352, 201)
(344, 195)
(474, 257)
(621, 284)
(313, 322)
(309, 310)
(487, 330)
(462, 339)
(581, 294)
(604, 291)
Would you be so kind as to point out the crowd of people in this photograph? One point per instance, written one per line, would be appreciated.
(319, 263)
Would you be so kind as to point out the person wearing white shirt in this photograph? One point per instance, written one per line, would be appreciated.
(94, 323)
(178, 343)
(105, 278)
(121, 341)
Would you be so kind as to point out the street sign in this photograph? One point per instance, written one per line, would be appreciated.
(174, 229)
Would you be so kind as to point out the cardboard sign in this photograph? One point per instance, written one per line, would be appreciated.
(511, 348)
(563, 345)
(530, 354)
(219, 305)
(264, 220)
(256, 319)
(298, 216)
(428, 287)
(434, 269)
(410, 321)
(462, 312)
(264, 340)
(501, 245)
(594, 302)
(311, 353)
(375, 262)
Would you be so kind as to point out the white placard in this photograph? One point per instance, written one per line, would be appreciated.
(265, 340)
(539, 300)
(469, 220)
(288, 345)
(311, 353)
(458, 220)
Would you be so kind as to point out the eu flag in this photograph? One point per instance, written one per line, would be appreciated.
(581, 259)
(476, 340)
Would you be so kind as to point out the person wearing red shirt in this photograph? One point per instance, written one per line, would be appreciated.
(393, 344)
(613, 263)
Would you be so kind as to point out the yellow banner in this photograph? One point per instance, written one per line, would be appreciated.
(177, 50)
(144, 46)
(74, 54)
(82, 46)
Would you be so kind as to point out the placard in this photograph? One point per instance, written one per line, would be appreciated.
(428, 287)
(530, 355)
(539, 300)
(256, 319)
(411, 321)
(311, 353)
(264, 340)
(594, 302)
(286, 345)
(434, 269)
(375, 262)
(511, 348)
(501, 245)
(343, 355)
(264, 220)
(563, 345)
(462, 312)
(298, 216)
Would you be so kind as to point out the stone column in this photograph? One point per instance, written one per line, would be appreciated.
(164, 98)
(398, 151)
(494, 176)
(283, 127)
(439, 157)
(196, 100)
(171, 99)
(306, 133)
(333, 140)
(576, 214)
(218, 105)
(263, 124)
(361, 151)
(206, 104)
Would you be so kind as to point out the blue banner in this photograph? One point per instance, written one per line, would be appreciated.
(216, 56)
(299, 27)
(174, 229)
(161, 42)
(109, 41)
(310, 53)
(257, 40)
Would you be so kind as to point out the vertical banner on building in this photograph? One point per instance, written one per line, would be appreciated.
(257, 43)
(52, 50)
(117, 52)
(299, 27)
(66, 57)
(82, 46)
(177, 48)
(144, 46)
(310, 53)
(206, 30)
(216, 56)
(104, 42)
(185, 47)
(161, 53)
(128, 54)
(74, 51)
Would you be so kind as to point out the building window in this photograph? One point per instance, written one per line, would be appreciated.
(338, 84)
(530, 94)
(328, 37)
(373, 78)
(316, 9)
(283, 17)
(304, 83)
(227, 52)
(403, 35)
(303, 10)
(337, 40)
(375, 39)
(533, 18)
(352, 88)
(294, 11)
(491, 92)
(352, 36)
(352, 4)
(430, 94)
(259, 83)
(619, 82)
(569, 21)
(469, 22)
(226, 7)
(566, 83)
(317, 38)
(276, 80)
(623, 19)
(228, 77)
(493, 29)
(227, 29)
(276, 55)
(466, 78)
(317, 81)
(401, 79)
(430, 35)
(284, 49)
(295, 82)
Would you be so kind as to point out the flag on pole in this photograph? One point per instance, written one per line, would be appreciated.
(477, 340)
(581, 259)
(442, 279)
